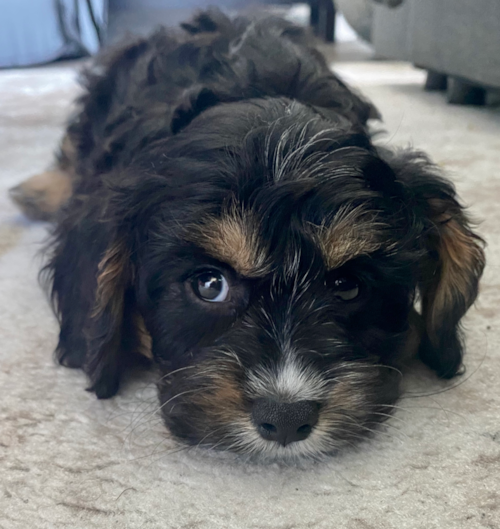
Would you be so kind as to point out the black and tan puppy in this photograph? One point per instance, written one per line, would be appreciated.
(226, 211)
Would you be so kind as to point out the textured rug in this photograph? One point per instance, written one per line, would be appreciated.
(69, 460)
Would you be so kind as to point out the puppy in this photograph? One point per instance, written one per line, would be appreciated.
(225, 212)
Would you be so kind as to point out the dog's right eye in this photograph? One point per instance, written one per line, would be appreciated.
(211, 286)
(345, 288)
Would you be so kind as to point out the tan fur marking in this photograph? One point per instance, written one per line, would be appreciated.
(233, 239)
(226, 393)
(349, 396)
(42, 195)
(462, 261)
(144, 337)
(351, 233)
(350, 410)
(112, 274)
(223, 398)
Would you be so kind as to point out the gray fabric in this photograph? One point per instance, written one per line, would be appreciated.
(391, 31)
(359, 14)
(456, 37)
(33, 32)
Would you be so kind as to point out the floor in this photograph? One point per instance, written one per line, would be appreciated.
(69, 460)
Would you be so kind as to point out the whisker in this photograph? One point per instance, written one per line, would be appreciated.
(444, 390)
(208, 435)
(170, 373)
(372, 430)
(389, 416)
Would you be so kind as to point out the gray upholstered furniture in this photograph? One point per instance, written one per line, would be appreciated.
(457, 41)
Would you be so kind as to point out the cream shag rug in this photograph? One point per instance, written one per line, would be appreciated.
(69, 460)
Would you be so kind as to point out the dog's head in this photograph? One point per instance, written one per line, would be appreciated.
(275, 258)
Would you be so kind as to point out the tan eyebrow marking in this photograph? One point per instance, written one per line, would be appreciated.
(233, 238)
(352, 232)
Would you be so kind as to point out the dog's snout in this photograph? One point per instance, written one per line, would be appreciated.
(285, 423)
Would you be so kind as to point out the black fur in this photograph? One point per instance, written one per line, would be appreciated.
(178, 128)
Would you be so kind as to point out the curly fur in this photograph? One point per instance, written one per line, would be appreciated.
(230, 145)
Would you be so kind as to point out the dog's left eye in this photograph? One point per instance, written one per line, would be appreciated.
(346, 288)
(211, 286)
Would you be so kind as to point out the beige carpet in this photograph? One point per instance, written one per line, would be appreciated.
(68, 460)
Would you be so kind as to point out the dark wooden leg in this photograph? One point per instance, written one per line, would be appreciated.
(329, 27)
(461, 92)
(323, 19)
(436, 81)
(314, 4)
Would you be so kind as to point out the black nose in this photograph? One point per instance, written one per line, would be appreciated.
(285, 422)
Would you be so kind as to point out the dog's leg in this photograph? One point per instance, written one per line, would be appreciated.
(42, 196)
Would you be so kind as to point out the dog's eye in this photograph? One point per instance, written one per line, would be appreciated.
(346, 288)
(211, 286)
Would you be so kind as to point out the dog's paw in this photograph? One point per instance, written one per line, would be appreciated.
(41, 196)
(106, 383)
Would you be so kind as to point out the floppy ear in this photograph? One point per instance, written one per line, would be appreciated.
(91, 275)
(452, 260)
(106, 328)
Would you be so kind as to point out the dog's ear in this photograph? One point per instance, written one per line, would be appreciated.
(91, 274)
(451, 263)
(114, 335)
(106, 326)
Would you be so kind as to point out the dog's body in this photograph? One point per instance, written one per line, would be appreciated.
(230, 215)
